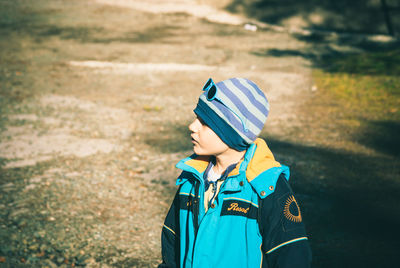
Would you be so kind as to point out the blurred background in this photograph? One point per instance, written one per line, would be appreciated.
(96, 97)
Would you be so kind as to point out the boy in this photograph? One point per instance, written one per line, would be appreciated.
(234, 206)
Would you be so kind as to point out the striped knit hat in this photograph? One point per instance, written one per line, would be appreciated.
(235, 109)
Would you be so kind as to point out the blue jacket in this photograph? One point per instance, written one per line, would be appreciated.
(254, 221)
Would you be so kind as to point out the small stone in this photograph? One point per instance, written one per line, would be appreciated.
(50, 264)
(22, 223)
(250, 27)
(16, 213)
(39, 234)
(43, 247)
(90, 261)
(7, 185)
(40, 254)
(34, 247)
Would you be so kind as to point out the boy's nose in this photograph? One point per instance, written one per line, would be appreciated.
(193, 126)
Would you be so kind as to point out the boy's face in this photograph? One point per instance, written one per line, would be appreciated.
(204, 139)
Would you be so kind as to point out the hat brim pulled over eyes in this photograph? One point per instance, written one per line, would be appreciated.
(226, 133)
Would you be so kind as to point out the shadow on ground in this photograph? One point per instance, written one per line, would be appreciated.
(349, 198)
(382, 136)
(336, 15)
(348, 203)
(351, 20)
(382, 58)
(172, 138)
(39, 30)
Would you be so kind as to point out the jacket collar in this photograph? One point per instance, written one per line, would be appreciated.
(258, 162)
(193, 164)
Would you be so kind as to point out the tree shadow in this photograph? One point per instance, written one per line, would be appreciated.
(362, 57)
(326, 50)
(348, 199)
(38, 26)
(285, 53)
(99, 35)
(336, 15)
(349, 203)
(382, 136)
(172, 138)
(85, 34)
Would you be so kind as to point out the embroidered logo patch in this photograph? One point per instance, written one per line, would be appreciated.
(235, 207)
(238, 208)
(291, 210)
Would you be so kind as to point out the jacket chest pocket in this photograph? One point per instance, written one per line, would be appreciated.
(186, 201)
(232, 206)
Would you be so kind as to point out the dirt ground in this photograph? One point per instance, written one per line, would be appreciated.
(105, 91)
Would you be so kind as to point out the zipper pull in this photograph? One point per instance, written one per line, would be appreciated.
(214, 191)
(214, 184)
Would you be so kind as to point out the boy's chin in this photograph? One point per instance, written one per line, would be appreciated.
(202, 153)
(198, 151)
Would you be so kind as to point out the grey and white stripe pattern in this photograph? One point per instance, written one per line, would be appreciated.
(248, 102)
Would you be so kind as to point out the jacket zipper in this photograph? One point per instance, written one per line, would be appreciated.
(214, 191)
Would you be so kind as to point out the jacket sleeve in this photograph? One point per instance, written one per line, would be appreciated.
(285, 243)
(170, 236)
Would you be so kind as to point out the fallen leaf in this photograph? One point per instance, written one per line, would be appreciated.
(149, 108)
(40, 254)
(2, 259)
